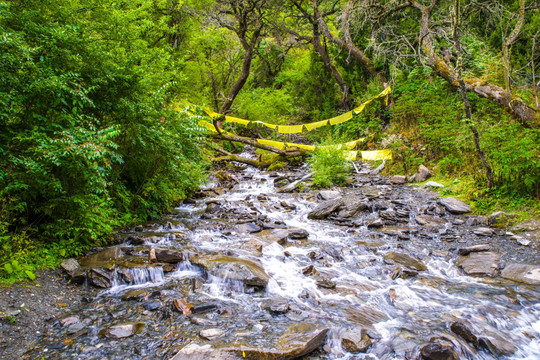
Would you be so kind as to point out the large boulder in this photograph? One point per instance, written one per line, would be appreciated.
(73, 269)
(233, 268)
(103, 258)
(325, 208)
(298, 340)
(480, 263)
(422, 174)
(454, 205)
(529, 274)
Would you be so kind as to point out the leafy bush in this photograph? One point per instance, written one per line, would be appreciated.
(329, 167)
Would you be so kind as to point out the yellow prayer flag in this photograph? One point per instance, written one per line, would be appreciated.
(277, 144)
(315, 125)
(377, 155)
(231, 119)
(290, 129)
(301, 146)
(341, 118)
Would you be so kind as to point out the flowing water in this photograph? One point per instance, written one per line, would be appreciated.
(340, 277)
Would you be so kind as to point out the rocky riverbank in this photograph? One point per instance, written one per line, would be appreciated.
(254, 268)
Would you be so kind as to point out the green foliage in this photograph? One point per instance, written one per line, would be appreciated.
(87, 142)
(329, 167)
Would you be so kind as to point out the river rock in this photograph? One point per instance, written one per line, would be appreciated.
(70, 266)
(211, 334)
(463, 329)
(248, 228)
(297, 233)
(483, 231)
(406, 261)
(351, 206)
(99, 278)
(169, 256)
(475, 248)
(73, 269)
(135, 294)
(298, 340)
(135, 240)
(69, 320)
(422, 174)
(377, 223)
(202, 352)
(325, 208)
(433, 184)
(529, 274)
(480, 263)
(101, 259)
(355, 340)
(273, 235)
(277, 306)
(454, 205)
(398, 179)
(364, 316)
(228, 267)
(497, 343)
(430, 220)
(329, 194)
(122, 330)
(438, 351)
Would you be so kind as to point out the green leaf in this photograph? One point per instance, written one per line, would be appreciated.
(16, 265)
(62, 252)
(30, 274)
(8, 268)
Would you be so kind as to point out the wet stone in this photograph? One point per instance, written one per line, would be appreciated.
(74, 328)
(277, 306)
(69, 320)
(496, 343)
(475, 248)
(246, 271)
(355, 340)
(135, 240)
(151, 305)
(438, 351)
(211, 334)
(329, 194)
(102, 258)
(325, 208)
(463, 330)
(480, 264)
(135, 294)
(529, 274)
(248, 228)
(406, 261)
(120, 331)
(99, 278)
(297, 233)
(202, 321)
(169, 255)
(377, 223)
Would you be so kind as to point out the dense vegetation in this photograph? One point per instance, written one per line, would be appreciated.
(91, 137)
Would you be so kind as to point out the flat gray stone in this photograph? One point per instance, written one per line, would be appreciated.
(480, 264)
(454, 205)
(475, 248)
(528, 274)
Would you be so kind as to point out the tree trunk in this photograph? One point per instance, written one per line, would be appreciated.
(316, 42)
(463, 92)
(350, 47)
(507, 43)
(239, 84)
(495, 93)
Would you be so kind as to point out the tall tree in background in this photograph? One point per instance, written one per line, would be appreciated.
(247, 19)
